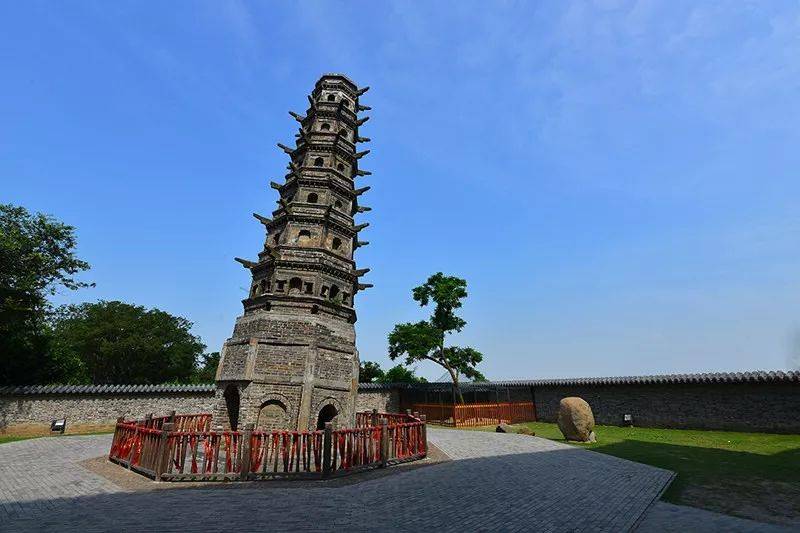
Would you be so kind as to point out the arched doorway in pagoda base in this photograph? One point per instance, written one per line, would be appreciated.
(326, 414)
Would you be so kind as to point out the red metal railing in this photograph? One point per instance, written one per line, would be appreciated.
(202, 454)
(407, 440)
(157, 448)
(477, 414)
(285, 453)
(356, 448)
(184, 422)
(136, 447)
(369, 418)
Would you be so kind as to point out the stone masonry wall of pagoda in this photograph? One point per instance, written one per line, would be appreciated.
(292, 362)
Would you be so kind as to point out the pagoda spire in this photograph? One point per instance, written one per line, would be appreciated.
(313, 234)
(293, 351)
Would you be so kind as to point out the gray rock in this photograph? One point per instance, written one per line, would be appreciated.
(575, 419)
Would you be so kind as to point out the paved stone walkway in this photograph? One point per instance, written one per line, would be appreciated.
(496, 482)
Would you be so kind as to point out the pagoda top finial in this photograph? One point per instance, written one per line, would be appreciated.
(337, 76)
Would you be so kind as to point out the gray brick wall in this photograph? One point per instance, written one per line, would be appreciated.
(765, 407)
(383, 401)
(40, 409)
(95, 409)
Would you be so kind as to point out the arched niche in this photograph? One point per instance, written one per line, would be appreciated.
(327, 410)
(273, 415)
(295, 285)
(232, 402)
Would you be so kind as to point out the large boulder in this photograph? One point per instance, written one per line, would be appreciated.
(575, 419)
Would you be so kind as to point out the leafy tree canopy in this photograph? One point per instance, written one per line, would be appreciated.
(401, 374)
(425, 340)
(37, 256)
(206, 368)
(369, 372)
(116, 342)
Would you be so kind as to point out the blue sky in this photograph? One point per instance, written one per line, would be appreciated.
(618, 181)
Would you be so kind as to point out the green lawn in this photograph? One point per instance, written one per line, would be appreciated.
(13, 438)
(755, 475)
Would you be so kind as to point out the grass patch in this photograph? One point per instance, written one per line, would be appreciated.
(34, 431)
(12, 438)
(754, 475)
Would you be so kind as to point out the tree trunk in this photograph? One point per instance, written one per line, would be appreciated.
(456, 386)
(453, 375)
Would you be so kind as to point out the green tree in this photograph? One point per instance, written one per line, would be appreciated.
(116, 342)
(369, 372)
(425, 340)
(37, 257)
(401, 374)
(206, 368)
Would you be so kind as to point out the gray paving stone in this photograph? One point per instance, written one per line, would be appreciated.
(496, 482)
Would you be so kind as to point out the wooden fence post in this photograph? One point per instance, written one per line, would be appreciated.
(424, 435)
(384, 443)
(327, 448)
(133, 445)
(164, 454)
(115, 439)
(374, 421)
(245, 456)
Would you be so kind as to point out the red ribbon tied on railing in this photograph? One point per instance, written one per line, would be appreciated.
(256, 452)
(193, 447)
(227, 451)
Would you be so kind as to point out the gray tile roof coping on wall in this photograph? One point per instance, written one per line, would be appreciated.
(758, 376)
(167, 388)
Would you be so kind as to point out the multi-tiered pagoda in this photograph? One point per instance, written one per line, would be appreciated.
(292, 360)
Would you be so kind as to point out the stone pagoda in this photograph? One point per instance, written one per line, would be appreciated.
(292, 361)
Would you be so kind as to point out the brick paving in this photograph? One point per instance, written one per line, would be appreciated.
(496, 482)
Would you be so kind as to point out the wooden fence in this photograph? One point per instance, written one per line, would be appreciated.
(477, 414)
(169, 453)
